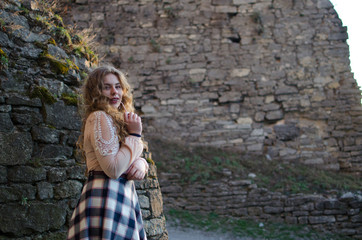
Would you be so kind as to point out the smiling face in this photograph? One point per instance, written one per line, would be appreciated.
(112, 89)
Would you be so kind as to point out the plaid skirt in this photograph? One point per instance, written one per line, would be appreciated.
(107, 209)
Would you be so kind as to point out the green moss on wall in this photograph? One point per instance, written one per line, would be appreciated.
(43, 94)
(4, 60)
(70, 99)
(59, 66)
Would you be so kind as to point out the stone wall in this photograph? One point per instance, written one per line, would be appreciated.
(263, 76)
(243, 199)
(40, 175)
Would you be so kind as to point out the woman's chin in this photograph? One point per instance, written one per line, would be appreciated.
(115, 106)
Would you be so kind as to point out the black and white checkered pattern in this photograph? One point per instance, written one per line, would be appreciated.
(107, 209)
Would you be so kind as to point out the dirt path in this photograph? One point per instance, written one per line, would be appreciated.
(178, 233)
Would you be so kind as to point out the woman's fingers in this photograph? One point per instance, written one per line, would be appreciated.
(137, 175)
(131, 117)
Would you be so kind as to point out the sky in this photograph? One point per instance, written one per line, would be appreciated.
(349, 11)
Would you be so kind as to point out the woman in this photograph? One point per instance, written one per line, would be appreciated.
(111, 143)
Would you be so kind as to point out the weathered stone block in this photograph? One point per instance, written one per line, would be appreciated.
(68, 189)
(225, 9)
(57, 175)
(26, 174)
(3, 174)
(156, 202)
(239, 212)
(8, 194)
(334, 204)
(243, 72)
(15, 148)
(259, 116)
(6, 125)
(197, 74)
(32, 118)
(45, 190)
(334, 212)
(240, 2)
(274, 115)
(52, 236)
(171, 189)
(216, 74)
(303, 220)
(23, 101)
(273, 210)
(286, 132)
(77, 172)
(307, 207)
(147, 183)
(72, 138)
(255, 211)
(5, 108)
(357, 218)
(45, 135)
(257, 147)
(300, 213)
(23, 219)
(145, 213)
(230, 97)
(144, 201)
(352, 211)
(155, 226)
(62, 116)
(321, 219)
(52, 151)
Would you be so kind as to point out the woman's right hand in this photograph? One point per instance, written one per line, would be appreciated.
(137, 170)
(134, 123)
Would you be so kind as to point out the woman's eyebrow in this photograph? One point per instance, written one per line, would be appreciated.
(110, 84)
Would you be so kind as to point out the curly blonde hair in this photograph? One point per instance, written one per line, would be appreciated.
(93, 100)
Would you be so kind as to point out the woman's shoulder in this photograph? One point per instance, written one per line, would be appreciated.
(97, 115)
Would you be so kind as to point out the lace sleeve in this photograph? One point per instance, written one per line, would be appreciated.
(106, 139)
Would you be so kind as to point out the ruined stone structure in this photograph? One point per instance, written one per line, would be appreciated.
(240, 198)
(263, 76)
(41, 67)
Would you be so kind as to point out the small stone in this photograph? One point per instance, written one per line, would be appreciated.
(274, 115)
(243, 72)
(144, 201)
(252, 175)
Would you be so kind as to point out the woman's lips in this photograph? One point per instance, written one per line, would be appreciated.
(114, 100)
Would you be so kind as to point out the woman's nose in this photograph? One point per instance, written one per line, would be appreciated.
(114, 91)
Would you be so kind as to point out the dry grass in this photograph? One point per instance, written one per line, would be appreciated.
(202, 164)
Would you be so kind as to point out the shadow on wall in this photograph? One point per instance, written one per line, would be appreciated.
(40, 175)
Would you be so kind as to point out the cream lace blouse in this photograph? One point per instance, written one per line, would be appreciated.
(102, 149)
